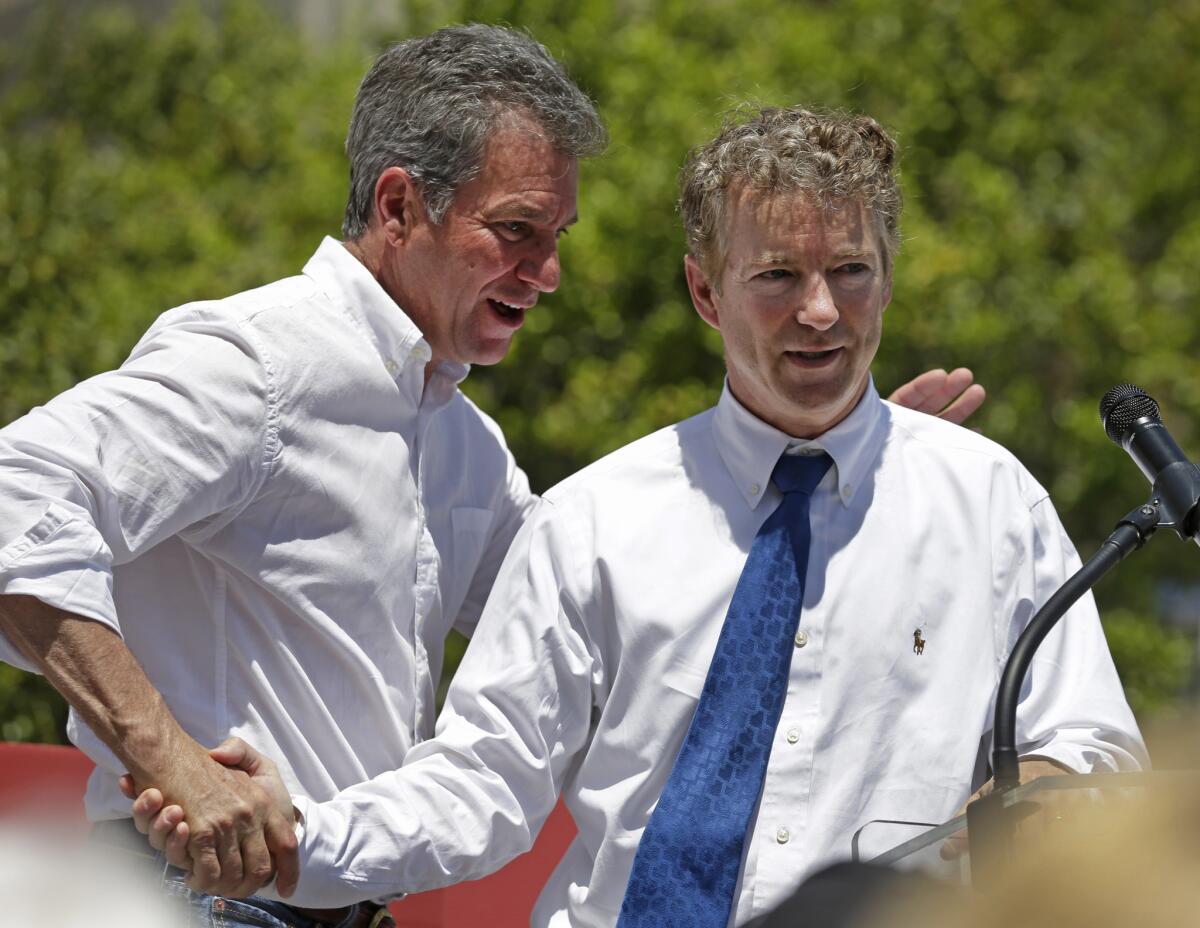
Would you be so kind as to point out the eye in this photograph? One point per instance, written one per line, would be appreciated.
(853, 267)
(513, 230)
(775, 273)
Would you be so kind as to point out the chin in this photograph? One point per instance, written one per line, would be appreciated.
(486, 357)
(815, 401)
(811, 415)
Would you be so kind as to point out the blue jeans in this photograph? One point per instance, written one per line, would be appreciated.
(204, 911)
(200, 910)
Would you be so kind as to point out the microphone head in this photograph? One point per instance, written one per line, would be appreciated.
(1122, 406)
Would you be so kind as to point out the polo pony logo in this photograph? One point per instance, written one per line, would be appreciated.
(918, 642)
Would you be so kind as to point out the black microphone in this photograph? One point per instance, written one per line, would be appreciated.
(1132, 420)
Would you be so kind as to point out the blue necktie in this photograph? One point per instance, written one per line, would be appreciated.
(686, 866)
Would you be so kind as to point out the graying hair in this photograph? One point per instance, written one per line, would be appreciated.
(829, 156)
(429, 104)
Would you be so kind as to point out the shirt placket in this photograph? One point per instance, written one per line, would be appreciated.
(781, 829)
(426, 591)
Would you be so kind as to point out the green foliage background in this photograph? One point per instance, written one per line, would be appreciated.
(1051, 230)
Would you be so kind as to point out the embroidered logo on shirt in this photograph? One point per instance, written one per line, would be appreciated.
(918, 641)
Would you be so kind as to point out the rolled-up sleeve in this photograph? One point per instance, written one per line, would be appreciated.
(179, 437)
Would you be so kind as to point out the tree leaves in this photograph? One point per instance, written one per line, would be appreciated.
(1051, 236)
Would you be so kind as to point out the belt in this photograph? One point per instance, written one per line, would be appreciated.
(362, 915)
(123, 835)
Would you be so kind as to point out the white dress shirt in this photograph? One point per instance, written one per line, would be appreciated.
(278, 515)
(594, 646)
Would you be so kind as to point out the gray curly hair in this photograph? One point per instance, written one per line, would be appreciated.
(828, 155)
(429, 104)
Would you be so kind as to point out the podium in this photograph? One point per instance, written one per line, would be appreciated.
(1005, 825)
(1101, 850)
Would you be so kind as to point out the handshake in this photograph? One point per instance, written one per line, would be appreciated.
(232, 829)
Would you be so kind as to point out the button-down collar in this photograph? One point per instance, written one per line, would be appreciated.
(750, 447)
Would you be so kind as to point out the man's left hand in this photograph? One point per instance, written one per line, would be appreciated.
(951, 396)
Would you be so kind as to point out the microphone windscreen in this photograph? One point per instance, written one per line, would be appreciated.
(1122, 406)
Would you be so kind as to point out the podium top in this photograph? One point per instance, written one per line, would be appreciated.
(922, 852)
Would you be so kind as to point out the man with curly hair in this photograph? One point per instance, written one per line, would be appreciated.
(704, 641)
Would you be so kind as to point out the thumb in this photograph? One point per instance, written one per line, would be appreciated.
(234, 752)
(126, 785)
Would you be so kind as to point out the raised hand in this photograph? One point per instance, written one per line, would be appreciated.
(952, 396)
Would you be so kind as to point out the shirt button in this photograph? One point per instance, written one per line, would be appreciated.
(846, 491)
(755, 489)
(801, 639)
(783, 836)
(793, 736)
(392, 366)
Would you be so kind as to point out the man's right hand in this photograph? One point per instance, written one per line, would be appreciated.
(231, 846)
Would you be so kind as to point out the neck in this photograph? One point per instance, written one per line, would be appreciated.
(370, 256)
(367, 257)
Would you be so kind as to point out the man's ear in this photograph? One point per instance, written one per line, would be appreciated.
(397, 204)
(703, 296)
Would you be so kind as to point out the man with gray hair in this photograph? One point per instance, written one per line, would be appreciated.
(267, 520)
(732, 643)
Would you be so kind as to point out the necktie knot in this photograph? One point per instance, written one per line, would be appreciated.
(800, 473)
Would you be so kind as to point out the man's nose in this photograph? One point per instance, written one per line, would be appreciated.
(541, 270)
(817, 308)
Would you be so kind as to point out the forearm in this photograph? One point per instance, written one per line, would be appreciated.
(475, 796)
(234, 825)
(425, 826)
(93, 669)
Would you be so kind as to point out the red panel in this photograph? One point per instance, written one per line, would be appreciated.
(44, 782)
(503, 900)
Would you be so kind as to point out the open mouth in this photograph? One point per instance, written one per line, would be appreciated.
(814, 355)
(507, 311)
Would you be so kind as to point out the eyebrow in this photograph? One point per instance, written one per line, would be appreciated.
(526, 211)
(774, 257)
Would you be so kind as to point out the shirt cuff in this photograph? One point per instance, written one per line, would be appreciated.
(1085, 756)
(63, 561)
(325, 878)
(268, 891)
